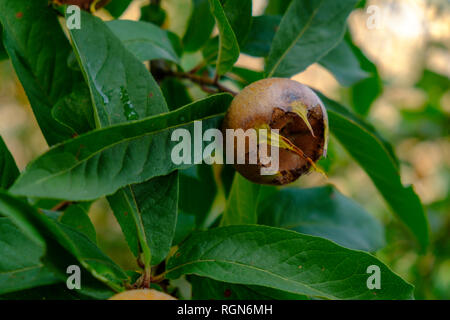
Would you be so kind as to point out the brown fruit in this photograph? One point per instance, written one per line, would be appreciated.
(282, 104)
(142, 294)
(83, 4)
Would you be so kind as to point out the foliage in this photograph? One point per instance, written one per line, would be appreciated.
(108, 122)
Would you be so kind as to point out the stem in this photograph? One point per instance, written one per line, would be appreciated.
(204, 82)
(61, 206)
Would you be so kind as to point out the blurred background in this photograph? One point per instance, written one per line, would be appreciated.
(410, 46)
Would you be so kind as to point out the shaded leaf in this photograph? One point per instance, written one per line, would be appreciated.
(145, 40)
(283, 260)
(228, 45)
(121, 88)
(242, 202)
(261, 35)
(147, 213)
(308, 31)
(20, 265)
(117, 7)
(197, 34)
(322, 212)
(207, 289)
(198, 190)
(239, 15)
(373, 156)
(344, 65)
(8, 168)
(47, 232)
(39, 50)
(77, 216)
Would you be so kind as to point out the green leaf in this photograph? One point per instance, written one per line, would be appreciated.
(8, 168)
(117, 7)
(197, 34)
(242, 202)
(121, 88)
(283, 260)
(239, 15)
(153, 13)
(366, 91)
(198, 191)
(20, 265)
(344, 65)
(373, 156)
(228, 45)
(77, 216)
(3, 54)
(277, 6)
(48, 233)
(322, 212)
(261, 36)
(75, 110)
(207, 289)
(39, 51)
(147, 213)
(145, 40)
(175, 93)
(308, 31)
(98, 163)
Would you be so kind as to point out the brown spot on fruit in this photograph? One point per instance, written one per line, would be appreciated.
(299, 115)
(142, 294)
(19, 15)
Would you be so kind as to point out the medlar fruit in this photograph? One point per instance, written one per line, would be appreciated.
(84, 4)
(142, 294)
(299, 115)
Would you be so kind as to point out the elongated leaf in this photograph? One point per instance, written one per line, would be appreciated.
(77, 216)
(39, 50)
(373, 156)
(261, 35)
(344, 65)
(197, 34)
(121, 87)
(49, 233)
(239, 15)
(207, 289)
(228, 44)
(145, 40)
(99, 163)
(20, 265)
(308, 31)
(322, 212)
(283, 260)
(242, 202)
(8, 168)
(147, 212)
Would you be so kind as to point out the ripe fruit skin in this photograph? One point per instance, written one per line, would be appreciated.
(270, 102)
(83, 4)
(142, 294)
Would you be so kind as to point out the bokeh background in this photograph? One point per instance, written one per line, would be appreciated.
(411, 49)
